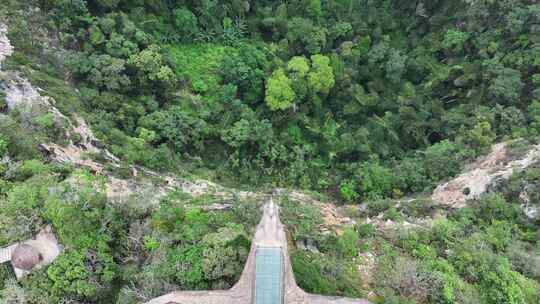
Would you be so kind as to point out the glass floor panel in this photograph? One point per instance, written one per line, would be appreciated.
(268, 276)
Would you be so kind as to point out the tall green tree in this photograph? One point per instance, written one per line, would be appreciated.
(279, 93)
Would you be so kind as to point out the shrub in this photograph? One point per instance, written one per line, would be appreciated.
(411, 175)
(496, 280)
(375, 180)
(415, 242)
(12, 293)
(23, 142)
(77, 273)
(451, 285)
(224, 255)
(77, 211)
(308, 271)
(322, 274)
(3, 146)
(392, 214)
(480, 137)
(185, 265)
(409, 280)
(418, 208)
(495, 207)
(377, 206)
(454, 40)
(346, 189)
(348, 243)
(303, 219)
(46, 120)
(525, 259)
(503, 285)
(168, 216)
(499, 234)
(6, 273)
(365, 230)
(445, 233)
(22, 210)
(30, 168)
(443, 160)
(3, 103)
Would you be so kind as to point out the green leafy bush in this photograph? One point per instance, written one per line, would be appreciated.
(199, 64)
(185, 265)
(375, 181)
(347, 191)
(301, 218)
(443, 160)
(72, 274)
(323, 275)
(348, 243)
(3, 146)
(365, 230)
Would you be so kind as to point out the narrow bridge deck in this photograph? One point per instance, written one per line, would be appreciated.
(5, 253)
(269, 275)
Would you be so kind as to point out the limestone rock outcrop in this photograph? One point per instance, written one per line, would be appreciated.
(6, 49)
(480, 175)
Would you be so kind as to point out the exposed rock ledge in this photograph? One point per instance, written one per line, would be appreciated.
(81, 144)
(481, 174)
(5, 46)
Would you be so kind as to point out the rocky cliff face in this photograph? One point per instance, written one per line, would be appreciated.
(483, 174)
(6, 49)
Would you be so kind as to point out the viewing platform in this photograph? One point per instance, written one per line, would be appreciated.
(267, 277)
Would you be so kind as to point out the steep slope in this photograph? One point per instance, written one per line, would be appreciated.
(484, 174)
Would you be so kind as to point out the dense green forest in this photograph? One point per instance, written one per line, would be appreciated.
(311, 93)
(363, 101)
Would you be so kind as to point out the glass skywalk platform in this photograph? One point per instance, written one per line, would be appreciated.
(268, 276)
